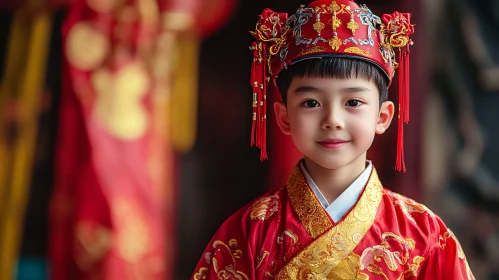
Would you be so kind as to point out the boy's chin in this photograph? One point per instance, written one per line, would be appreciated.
(331, 164)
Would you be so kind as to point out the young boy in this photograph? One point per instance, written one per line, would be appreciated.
(333, 220)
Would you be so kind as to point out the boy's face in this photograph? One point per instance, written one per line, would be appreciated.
(333, 121)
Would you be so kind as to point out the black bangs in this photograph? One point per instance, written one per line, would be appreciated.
(333, 67)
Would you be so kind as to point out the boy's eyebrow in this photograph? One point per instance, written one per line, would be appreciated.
(302, 89)
(354, 89)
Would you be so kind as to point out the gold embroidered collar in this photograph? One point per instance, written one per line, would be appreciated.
(315, 218)
(333, 245)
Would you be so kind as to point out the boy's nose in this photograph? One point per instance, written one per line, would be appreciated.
(333, 120)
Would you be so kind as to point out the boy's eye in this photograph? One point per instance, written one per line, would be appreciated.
(310, 103)
(353, 103)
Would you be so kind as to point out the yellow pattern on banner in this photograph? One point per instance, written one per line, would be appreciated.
(184, 95)
(25, 73)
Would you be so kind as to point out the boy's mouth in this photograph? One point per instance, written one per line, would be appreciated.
(333, 143)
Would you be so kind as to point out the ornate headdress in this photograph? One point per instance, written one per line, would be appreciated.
(325, 28)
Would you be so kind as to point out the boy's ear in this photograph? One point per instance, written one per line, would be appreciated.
(281, 116)
(386, 113)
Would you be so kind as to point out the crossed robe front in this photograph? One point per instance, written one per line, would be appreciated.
(287, 234)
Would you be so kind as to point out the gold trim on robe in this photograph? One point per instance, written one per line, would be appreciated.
(332, 244)
(311, 213)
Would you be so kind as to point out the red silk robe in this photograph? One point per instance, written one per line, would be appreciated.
(287, 234)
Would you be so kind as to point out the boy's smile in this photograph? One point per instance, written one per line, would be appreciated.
(333, 144)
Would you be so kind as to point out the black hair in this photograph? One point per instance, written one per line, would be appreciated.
(333, 67)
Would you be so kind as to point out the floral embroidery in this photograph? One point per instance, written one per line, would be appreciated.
(223, 269)
(265, 207)
(378, 252)
(203, 271)
(414, 267)
(409, 206)
(372, 256)
(223, 259)
(288, 233)
(290, 240)
(236, 253)
(230, 273)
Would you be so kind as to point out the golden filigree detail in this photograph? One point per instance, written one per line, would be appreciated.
(348, 268)
(413, 267)
(318, 26)
(336, 22)
(353, 26)
(236, 253)
(311, 213)
(377, 270)
(320, 9)
(321, 258)
(224, 260)
(397, 29)
(315, 49)
(265, 207)
(333, 7)
(271, 29)
(356, 50)
(290, 234)
(229, 273)
(335, 43)
(387, 53)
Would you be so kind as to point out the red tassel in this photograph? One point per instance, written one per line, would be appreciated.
(406, 84)
(263, 148)
(259, 103)
(259, 107)
(400, 165)
(403, 114)
(254, 86)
